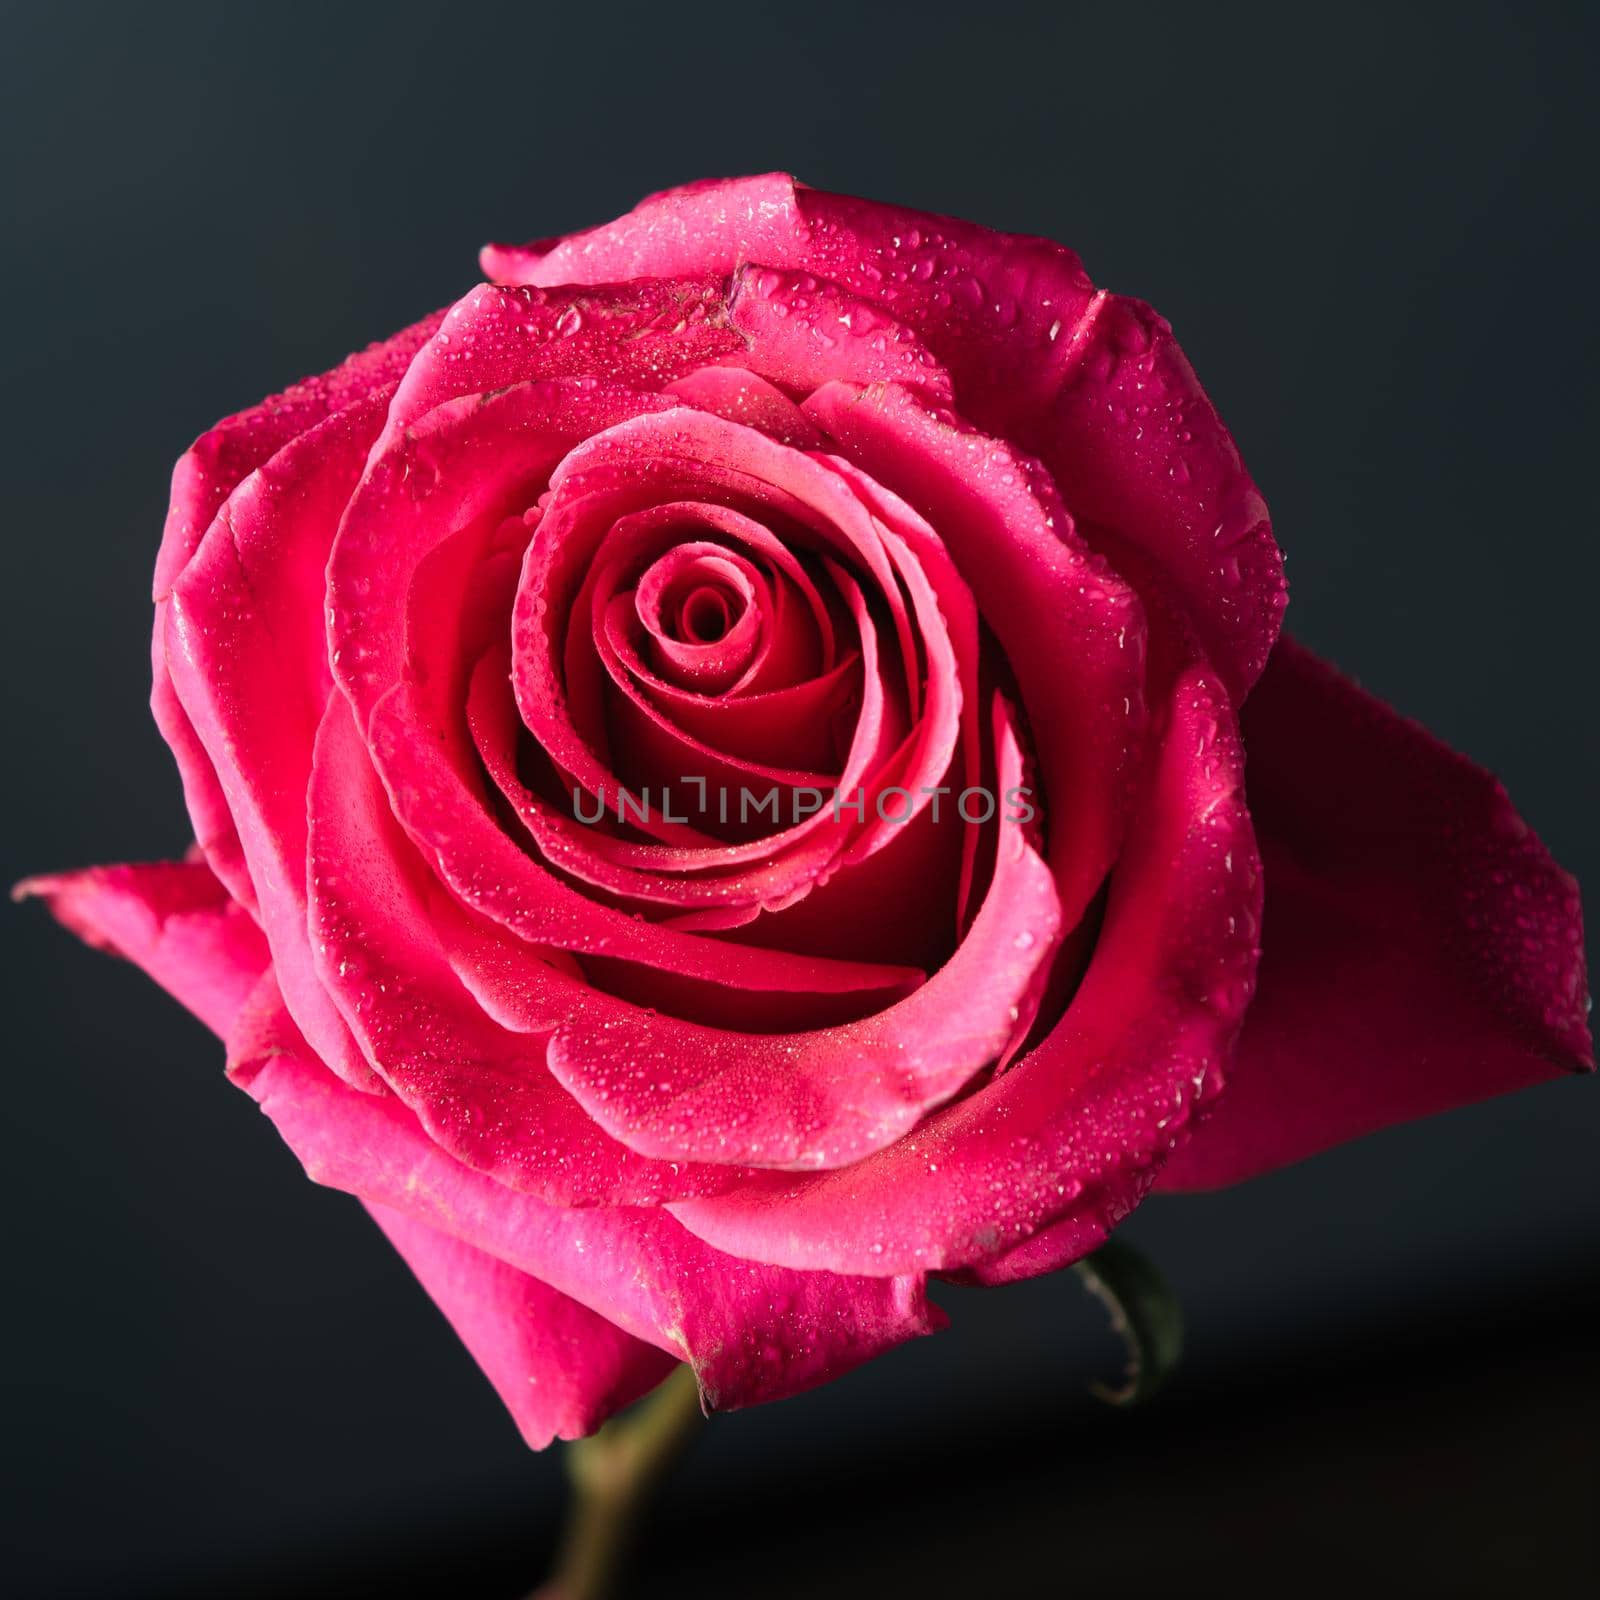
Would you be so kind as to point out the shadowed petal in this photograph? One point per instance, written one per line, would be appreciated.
(1421, 949)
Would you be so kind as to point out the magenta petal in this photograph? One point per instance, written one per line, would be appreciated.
(1072, 630)
(1092, 383)
(560, 1369)
(707, 226)
(683, 1092)
(766, 727)
(752, 1333)
(204, 477)
(1422, 949)
(209, 815)
(490, 875)
(689, 455)
(642, 333)
(805, 332)
(482, 1092)
(1084, 1229)
(467, 465)
(588, 854)
(174, 920)
(454, 476)
(742, 396)
(512, 263)
(704, 610)
(1137, 447)
(247, 653)
(223, 456)
(1070, 1137)
(569, 640)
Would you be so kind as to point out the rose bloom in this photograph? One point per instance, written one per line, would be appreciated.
(762, 488)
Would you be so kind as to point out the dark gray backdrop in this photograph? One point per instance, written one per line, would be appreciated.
(1374, 230)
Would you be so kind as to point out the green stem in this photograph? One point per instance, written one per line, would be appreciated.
(614, 1475)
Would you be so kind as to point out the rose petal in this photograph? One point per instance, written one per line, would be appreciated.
(204, 477)
(1071, 630)
(766, 726)
(599, 519)
(1422, 950)
(752, 1333)
(647, 874)
(804, 331)
(468, 464)
(642, 334)
(246, 614)
(215, 835)
(1077, 1127)
(1092, 383)
(685, 455)
(560, 1369)
(224, 455)
(174, 920)
(707, 226)
(680, 1091)
(742, 397)
(692, 584)
(1136, 446)
(481, 1092)
(492, 877)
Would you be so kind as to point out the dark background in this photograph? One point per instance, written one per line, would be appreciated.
(1374, 229)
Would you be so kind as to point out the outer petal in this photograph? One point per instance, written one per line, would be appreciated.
(642, 334)
(206, 474)
(1421, 949)
(805, 332)
(210, 469)
(712, 225)
(752, 1333)
(247, 654)
(560, 1369)
(174, 920)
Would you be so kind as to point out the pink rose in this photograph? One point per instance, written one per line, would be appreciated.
(897, 527)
